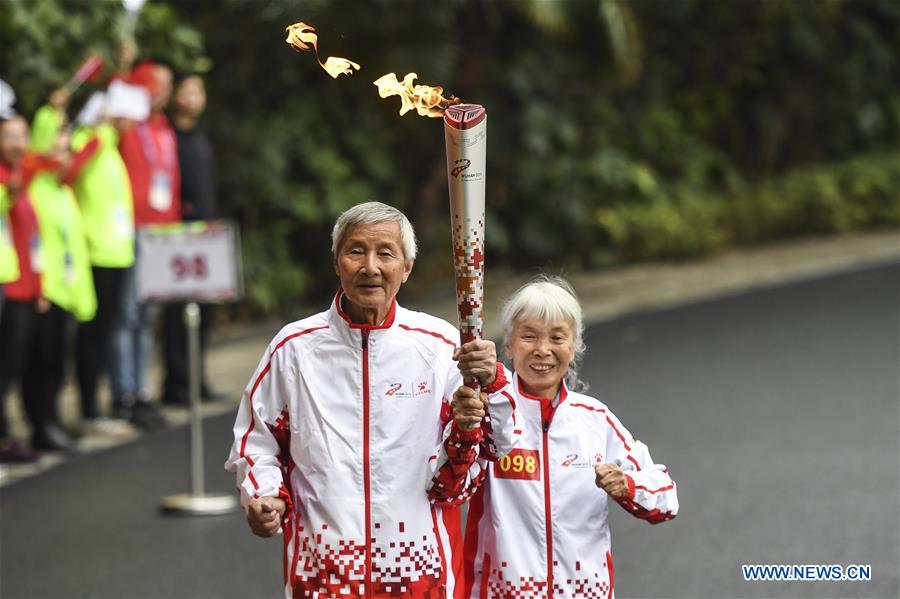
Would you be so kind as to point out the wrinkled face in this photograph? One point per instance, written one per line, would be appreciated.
(372, 267)
(190, 97)
(13, 140)
(541, 353)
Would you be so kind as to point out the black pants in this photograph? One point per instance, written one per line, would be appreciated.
(17, 327)
(34, 349)
(175, 351)
(93, 338)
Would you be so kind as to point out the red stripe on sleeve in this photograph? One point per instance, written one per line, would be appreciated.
(592, 409)
(250, 407)
(259, 380)
(660, 490)
(624, 442)
(432, 333)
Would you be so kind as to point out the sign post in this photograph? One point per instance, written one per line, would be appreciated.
(197, 261)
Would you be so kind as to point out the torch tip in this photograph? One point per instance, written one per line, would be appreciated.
(464, 116)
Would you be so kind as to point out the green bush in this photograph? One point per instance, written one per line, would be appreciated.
(834, 198)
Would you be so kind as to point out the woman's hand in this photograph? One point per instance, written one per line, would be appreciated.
(612, 480)
(468, 408)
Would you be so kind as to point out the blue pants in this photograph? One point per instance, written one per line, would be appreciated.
(131, 344)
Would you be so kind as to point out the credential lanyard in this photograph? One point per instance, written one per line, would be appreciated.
(158, 158)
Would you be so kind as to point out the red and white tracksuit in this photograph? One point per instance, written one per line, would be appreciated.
(350, 425)
(538, 526)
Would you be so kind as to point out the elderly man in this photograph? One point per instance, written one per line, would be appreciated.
(346, 429)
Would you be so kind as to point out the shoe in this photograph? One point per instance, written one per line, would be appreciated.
(146, 415)
(122, 406)
(13, 452)
(174, 398)
(52, 438)
(115, 428)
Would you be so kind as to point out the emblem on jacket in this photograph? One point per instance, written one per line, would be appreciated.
(407, 390)
(573, 462)
(397, 390)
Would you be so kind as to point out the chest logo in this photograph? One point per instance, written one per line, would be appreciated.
(398, 390)
(572, 461)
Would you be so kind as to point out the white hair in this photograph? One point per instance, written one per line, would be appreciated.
(549, 299)
(369, 213)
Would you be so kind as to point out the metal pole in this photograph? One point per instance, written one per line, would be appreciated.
(196, 502)
(192, 323)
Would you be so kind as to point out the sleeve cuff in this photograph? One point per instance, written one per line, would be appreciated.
(284, 494)
(630, 482)
(499, 380)
(472, 437)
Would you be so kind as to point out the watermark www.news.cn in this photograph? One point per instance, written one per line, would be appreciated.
(804, 572)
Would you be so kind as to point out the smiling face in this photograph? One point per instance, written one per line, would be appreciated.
(372, 267)
(541, 353)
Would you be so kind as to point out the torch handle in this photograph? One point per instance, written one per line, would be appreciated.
(472, 384)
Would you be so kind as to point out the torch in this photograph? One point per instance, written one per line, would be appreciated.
(465, 137)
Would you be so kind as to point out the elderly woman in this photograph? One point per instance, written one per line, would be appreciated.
(538, 525)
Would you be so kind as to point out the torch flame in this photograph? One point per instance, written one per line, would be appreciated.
(302, 37)
(425, 99)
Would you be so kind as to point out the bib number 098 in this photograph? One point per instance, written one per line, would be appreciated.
(519, 464)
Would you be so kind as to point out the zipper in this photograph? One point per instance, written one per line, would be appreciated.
(547, 524)
(366, 473)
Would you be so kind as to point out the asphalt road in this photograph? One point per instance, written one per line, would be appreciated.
(776, 411)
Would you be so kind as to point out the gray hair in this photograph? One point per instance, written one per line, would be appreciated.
(369, 213)
(549, 299)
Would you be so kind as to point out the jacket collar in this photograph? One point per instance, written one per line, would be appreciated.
(555, 402)
(345, 318)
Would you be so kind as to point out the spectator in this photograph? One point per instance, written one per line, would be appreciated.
(22, 291)
(151, 158)
(9, 262)
(103, 191)
(56, 282)
(198, 202)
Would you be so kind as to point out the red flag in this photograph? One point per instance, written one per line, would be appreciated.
(89, 69)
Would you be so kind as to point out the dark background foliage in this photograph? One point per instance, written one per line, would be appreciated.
(618, 130)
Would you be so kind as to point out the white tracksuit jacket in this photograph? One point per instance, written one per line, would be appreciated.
(539, 515)
(349, 424)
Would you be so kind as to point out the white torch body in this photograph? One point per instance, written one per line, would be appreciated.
(465, 134)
